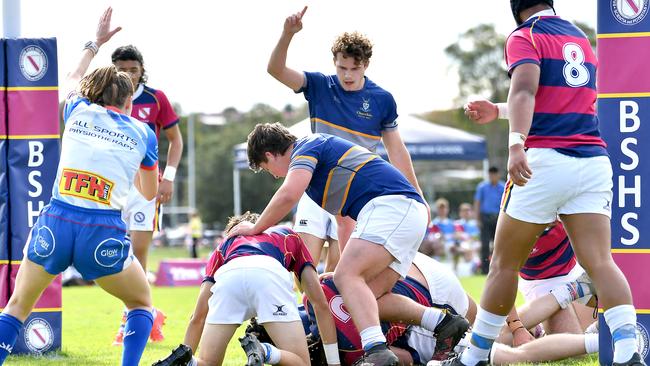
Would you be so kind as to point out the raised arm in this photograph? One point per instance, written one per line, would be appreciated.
(277, 66)
(103, 34)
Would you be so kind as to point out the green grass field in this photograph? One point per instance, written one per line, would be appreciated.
(91, 317)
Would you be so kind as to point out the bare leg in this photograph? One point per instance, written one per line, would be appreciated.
(512, 244)
(333, 255)
(585, 315)
(549, 348)
(345, 227)
(130, 286)
(31, 280)
(214, 342)
(564, 321)
(590, 236)
(314, 244)
(140, 241)
(361, 262)
(289, 338)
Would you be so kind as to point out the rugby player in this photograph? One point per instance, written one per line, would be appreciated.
(349, 180)
(143, 216)
(248, 276)
(348, 105)
(558, 165)
(102, 150)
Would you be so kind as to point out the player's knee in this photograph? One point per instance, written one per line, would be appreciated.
(341, 278)
(18, 308)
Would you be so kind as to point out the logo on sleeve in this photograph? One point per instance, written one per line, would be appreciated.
(629, 12)
(86, 185)
(33, 63)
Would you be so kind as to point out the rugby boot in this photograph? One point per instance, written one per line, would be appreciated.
(378, 355)
(156, 334)
(634, 361)
(254, 350)
(119, 337)
(450, 331)
(180, 356)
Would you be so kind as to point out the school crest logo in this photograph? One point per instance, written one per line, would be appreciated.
(629, 12)
(365, 106)
(139, 217)
(144, 113)
(33, 63)
(38, 335)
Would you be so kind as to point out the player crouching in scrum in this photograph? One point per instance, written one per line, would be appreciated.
(248, 276)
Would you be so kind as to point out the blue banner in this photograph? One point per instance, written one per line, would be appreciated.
(623, 110)
(32, 148)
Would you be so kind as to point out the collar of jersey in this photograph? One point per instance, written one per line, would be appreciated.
(543, 13)
(138, 91)
(114, 109)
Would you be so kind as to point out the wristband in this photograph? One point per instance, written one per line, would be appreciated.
(503, 110)
(515, 138)
(92, 46)
(332, 353)
(170, 173)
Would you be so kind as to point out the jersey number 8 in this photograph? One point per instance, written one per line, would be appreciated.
(575, 72)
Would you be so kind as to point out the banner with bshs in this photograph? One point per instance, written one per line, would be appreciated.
(29, 155)
(623, 108)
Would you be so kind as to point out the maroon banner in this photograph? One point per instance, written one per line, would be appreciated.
(181, 272)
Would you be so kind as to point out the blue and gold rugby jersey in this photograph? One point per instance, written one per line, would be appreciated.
(346, 176)
(358, 116)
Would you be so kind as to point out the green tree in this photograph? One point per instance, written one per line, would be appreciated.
(478, 56)
(214, 160)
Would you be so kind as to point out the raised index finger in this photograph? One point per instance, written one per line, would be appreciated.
(303, 11)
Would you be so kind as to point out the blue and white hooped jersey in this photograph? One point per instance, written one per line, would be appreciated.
(101, 152)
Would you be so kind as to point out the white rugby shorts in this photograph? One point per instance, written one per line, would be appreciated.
(560, 184)
(396, 222)
(252, 286)
(313, 219)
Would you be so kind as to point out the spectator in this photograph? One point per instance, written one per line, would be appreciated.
(467, 234)
(196, 226)
(443, 225)
(487, 202)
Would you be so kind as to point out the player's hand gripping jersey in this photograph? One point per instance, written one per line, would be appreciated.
(565, 117)
(357, 116)
(102, 151)
(346, 176)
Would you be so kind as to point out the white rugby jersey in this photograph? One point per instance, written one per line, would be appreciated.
(101, 151)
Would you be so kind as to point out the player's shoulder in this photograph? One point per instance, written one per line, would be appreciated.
(377, 90)
(156, 94)
(280, 230)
